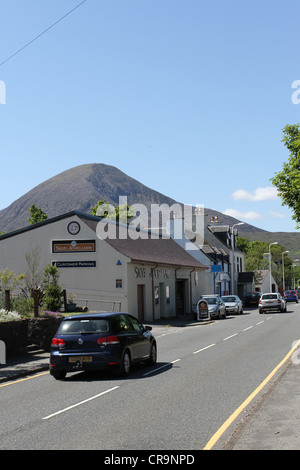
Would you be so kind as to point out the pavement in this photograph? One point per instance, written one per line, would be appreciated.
(271, 421)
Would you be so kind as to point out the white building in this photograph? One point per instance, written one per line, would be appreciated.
(150, 277)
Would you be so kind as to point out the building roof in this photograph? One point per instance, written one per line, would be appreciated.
(160, 251)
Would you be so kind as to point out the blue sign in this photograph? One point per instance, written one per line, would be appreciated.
(217, 268)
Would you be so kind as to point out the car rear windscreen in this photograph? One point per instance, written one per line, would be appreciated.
(86, 325)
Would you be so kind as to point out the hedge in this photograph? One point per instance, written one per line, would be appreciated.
(17, 335)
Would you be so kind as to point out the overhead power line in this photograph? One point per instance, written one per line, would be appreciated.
(42, 33)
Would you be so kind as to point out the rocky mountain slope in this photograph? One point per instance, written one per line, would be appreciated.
(80, 188)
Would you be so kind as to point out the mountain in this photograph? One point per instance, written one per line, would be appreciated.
(81, 187)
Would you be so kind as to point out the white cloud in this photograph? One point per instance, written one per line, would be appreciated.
(278, 215)
(259, 194)
(250, 215)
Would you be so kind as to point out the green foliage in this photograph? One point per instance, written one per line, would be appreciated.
(9, 280)
(52, 298)
(36, 214)
(256, 258)
(23, 305)
(243, 244)
(120, 213)
(287, 181)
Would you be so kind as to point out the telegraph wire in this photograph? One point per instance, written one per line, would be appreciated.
(42, 33)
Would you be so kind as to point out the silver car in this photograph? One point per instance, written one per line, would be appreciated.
(272, 301)
(216, 306)
(233, 304)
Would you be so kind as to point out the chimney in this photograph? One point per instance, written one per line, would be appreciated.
(175, 227)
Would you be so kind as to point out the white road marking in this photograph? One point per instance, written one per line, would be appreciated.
(203, 349)
(249, 328)
(228, 337)
(81, 402)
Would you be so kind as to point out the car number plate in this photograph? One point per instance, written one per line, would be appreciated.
(81, 359)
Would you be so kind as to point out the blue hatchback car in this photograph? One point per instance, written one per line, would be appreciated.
(101, 341)
(291, 296)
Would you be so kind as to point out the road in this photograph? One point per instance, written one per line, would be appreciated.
(203, 374)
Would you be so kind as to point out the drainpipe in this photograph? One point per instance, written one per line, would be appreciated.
(191, 291)
(152, 270)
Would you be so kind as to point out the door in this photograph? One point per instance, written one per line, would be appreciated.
(180, 297)
(141, 338)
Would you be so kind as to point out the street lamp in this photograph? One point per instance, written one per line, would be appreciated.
(283, 281)
(293, 266)
(233, 263)
(274, 243)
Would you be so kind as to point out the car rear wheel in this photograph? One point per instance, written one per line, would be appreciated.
(126, 363)
(153, 354)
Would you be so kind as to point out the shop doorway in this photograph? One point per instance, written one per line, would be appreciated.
(141, 301)
(180, 297)
(162, 300)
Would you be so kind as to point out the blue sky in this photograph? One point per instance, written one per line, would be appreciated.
(187, 96)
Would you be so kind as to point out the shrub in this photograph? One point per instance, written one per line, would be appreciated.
(52, 299)
(22, 305)
(8, 316)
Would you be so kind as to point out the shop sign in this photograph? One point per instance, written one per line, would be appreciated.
(157, 273)
(161, 273)
(74, 246)
(74, 264)
(216, 268)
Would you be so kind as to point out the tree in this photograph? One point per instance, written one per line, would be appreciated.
(36, 214)
(257, 259)
(9, 280)
(53, 291)
(287, 181)
(120, 213)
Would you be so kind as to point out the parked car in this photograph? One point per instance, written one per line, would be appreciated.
(101, 341)
(291, 296)
(252, 298)
(233, 304)
(216, 306)
(272, 301)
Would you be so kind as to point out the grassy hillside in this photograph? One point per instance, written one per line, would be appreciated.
(290, 240)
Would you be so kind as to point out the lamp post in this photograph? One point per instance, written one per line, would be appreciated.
(283, 281)
(293, 266)
(274, 243)
(233, 263)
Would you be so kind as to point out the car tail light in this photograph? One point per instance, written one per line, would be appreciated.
(58, 342)
(260, 302)
(279, 301)
(108, 340)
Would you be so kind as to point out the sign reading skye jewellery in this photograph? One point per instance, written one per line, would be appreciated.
(73, 246)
